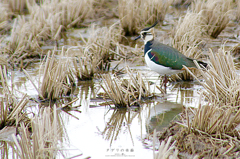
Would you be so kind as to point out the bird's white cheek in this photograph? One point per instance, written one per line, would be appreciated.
(147, 38)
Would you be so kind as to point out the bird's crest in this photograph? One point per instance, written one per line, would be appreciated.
(147, 34)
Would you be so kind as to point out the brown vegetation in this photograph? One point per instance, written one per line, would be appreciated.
(187, 38)
(165, 150)
(117, 123)
(214, 15)
(125, 93)
(16, 6)
(134, 14)
(47, 20)
(199, 132)
(5, 15)
(207, 129)
(43, 142)
(95, 54)
(57, 79)
(221, 81)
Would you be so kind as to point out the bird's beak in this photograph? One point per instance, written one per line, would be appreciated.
(138, 37)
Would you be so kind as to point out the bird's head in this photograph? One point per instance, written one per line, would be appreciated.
(147, 34)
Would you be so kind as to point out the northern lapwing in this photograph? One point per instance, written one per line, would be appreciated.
(162, 58)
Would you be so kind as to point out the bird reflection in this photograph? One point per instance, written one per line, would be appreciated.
(185, 92)
(162, 114)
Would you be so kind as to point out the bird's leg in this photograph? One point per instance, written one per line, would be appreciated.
(165, 83)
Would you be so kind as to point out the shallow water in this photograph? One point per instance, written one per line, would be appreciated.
(101, 132)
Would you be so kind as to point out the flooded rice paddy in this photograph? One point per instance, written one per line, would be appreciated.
(99, 131)
(91, 126)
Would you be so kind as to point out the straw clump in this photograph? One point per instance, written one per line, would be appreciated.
(218, 121)
(221, 79)
(204, 18)
(206, 131)
(125, 93)
(165, 150)
(23, 43)
(187, 38)
(12, 114)
(215, 15)
(70, 12)
(16, 6)
(5, 16)
(96, 53)
(134, 14)
(57, 79)
(47, 21)
(12, 111)
(212, 129)
(44, 141)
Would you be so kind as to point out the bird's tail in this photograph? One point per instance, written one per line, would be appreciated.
(204, 64)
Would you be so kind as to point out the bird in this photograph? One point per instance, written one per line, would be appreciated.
(164, 59)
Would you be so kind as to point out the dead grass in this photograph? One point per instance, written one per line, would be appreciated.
(16, 6)
(96, 53)
(57, 78)
(187, 38)
(180, 3)
(84, 68)
(212, 130)
(129, 17)
(5, 16)
(22, 42)
(101, 45)
(203, 146)
(215, 15)
(136, 14)
(221, 82)
(203, 18)
(207, 130)
(43, 142)
(165, 150)
(7, 145)
(125, 93)
(238, 10)
(11, 113)
(69, 13)
(215, 121)
(47, 21)
(120, 119)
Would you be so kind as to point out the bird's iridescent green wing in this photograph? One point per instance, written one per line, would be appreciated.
(169, 57)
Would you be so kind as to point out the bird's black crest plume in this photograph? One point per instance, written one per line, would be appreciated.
(145, 29)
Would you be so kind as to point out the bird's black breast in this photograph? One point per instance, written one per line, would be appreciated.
(147, 47)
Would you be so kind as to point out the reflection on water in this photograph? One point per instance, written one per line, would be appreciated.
(120, 120)
(162, 114)
(93, 129)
